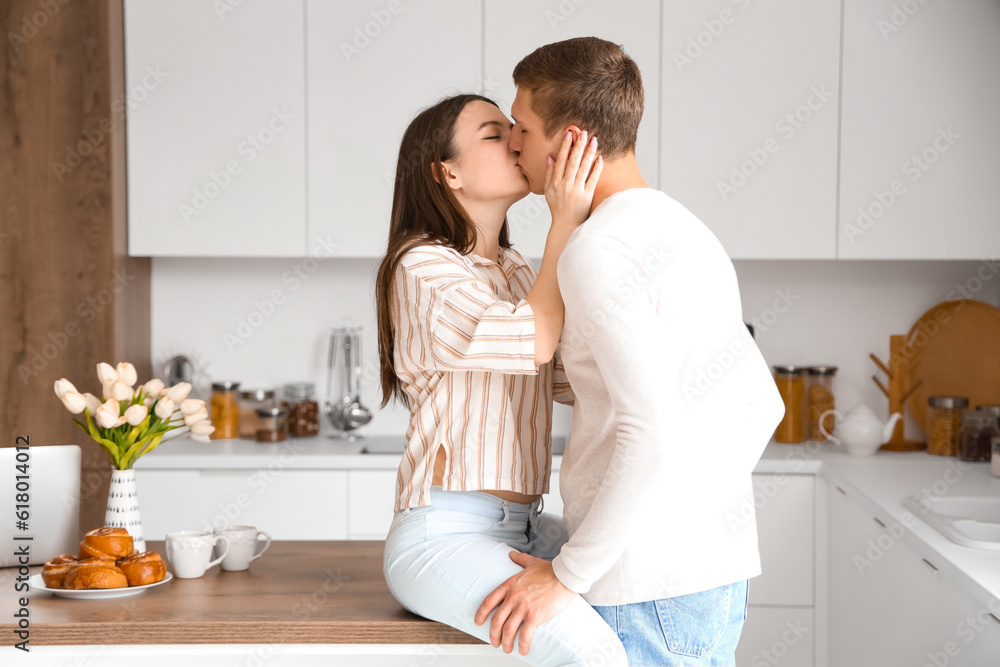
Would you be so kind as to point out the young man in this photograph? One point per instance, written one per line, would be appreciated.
(674, 402)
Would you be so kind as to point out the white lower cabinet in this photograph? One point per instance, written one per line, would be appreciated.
(890, 606)
(777, 636)
(289, 504)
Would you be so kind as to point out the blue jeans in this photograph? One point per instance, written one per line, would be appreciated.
(696, 629)
(442, 560)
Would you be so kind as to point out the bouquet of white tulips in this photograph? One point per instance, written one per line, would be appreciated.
(128, 422)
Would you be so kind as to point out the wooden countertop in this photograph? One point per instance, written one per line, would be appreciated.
(299, 592)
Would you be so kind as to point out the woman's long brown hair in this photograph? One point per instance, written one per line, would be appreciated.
(424, 212)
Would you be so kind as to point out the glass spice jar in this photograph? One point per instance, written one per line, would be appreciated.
(303, 410)
(791, 386)
(944, 423)
(988, 430)
(995, 458)
(969, 439)
(225, 409)
(250, 400)
(272, 424)
(819, 399)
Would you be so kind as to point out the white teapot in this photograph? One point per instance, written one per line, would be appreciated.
(860, 429)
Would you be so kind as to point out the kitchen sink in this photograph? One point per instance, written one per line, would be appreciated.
(972, 521)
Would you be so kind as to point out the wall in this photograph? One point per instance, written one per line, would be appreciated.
(264, 321)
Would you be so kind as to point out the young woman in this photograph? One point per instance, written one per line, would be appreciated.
(467, 335)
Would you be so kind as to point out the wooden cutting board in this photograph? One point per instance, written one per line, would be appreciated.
(955, 349)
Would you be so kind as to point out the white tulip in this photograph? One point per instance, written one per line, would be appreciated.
(196, 417)
(107, 389)
(74, 402)
(106, 373)
(135, 414)
(92, 403)
(153, 388)
(148, 401)
(64, 386)
(120, 421)
(121, 391)
(201, 431)
(126, 373)
(178, 392)
(107, 415)
(164, 408)
(189, 406)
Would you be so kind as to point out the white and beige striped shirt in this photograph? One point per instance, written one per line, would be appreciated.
(464, 352)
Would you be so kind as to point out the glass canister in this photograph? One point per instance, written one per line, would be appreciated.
(995, 458)
(303, 410)
(225, 409)
(250, 400)
(791, 386)
(944, 424)
(819, 399)
(969, 439)
(272, 424)
(988, 429)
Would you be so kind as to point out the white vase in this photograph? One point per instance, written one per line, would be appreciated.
(123, 506)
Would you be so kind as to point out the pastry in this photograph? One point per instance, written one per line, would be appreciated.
(107, 542)
(143, 568)
(55, 570)
(94, 573)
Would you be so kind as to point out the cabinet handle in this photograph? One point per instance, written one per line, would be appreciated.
(841, 490)
(878, 521)
(930, 564)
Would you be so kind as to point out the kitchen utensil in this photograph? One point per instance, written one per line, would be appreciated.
(896, 393)
(861, 431)
(35, 581)
(189, 552)
(178, 369)
(953, 349)
(243, 541)
(343, 404)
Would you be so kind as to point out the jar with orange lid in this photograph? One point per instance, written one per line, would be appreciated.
(791, 386)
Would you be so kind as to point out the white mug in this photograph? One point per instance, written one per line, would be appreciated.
(243, 541)
(190, 551)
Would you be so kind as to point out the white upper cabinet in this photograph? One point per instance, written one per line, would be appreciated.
(215, 128)
(372, 66)
(921, 130)
(517, 27)
(749, 122)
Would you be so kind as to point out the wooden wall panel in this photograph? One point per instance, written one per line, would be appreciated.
(69, 295)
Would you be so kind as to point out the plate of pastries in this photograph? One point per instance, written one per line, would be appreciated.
(107, 566)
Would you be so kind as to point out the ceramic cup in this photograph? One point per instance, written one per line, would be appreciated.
(190, 552)
(243, 541)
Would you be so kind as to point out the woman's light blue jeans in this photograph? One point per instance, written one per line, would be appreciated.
(442, 560)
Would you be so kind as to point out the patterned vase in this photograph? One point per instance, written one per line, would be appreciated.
(123, 506)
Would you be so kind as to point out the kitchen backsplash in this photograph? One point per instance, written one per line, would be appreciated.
(265, 322)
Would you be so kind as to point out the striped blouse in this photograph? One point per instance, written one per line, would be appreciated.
(465, 354)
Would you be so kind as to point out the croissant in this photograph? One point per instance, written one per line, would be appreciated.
(107, 542)
(94, 573)
(143, 568)
(55, 570)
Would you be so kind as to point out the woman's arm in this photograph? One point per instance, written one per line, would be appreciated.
(569, 190)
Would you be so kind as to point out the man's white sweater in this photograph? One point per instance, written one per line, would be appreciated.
(674, 405)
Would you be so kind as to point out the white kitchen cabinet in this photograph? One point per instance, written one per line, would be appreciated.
(888, 605)
(516, 28)
(289, 504)
(749, 122)
(216, 128)
(786, 537)
(920, 134)
(372, 66)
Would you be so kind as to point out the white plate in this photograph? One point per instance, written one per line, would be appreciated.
(35, 581)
